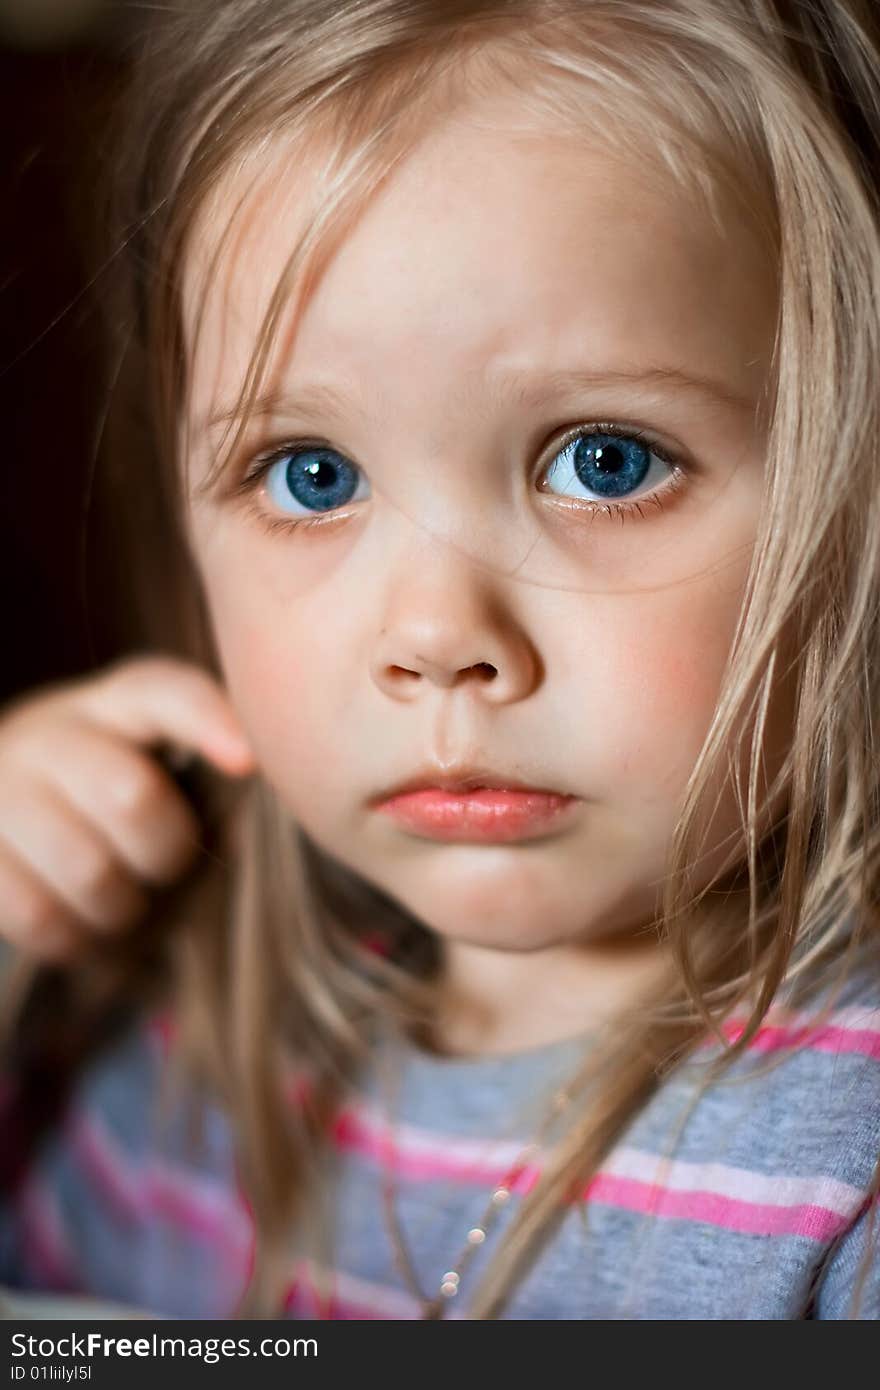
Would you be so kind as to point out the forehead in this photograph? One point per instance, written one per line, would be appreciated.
(489, 242)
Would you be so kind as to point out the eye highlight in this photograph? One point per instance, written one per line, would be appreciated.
(611, 462)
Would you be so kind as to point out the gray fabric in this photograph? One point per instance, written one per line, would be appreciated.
(725, 1251)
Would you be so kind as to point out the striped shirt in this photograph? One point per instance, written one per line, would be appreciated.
(761, 1212)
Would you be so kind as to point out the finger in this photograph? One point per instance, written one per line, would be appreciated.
(151, 699)
(122, 793)
(32, 919)
(70, 857)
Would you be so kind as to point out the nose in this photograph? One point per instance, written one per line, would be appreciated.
(445, 628)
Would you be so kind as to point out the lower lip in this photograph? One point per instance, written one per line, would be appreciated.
(486, 815)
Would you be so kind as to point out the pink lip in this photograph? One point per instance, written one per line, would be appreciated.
(485, 814)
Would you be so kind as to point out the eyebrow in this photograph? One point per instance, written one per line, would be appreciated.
(520, 390)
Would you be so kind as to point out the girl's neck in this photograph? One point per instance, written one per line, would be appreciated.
(498, 1002)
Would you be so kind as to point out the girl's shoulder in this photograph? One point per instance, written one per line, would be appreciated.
(829, 1013)
(804, 1094)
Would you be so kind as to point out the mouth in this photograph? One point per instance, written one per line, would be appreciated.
(475, 805)
(461, 780)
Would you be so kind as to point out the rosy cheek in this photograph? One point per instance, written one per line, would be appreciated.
(666, 677)
(270, 685)
(282, 689)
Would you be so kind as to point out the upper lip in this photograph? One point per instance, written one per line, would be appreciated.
(460, 778)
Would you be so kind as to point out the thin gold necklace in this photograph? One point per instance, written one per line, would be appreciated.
(435, 1307)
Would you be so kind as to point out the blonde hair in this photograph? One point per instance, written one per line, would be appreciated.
(777, 103)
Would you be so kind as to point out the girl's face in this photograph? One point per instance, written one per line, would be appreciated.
(397, 631)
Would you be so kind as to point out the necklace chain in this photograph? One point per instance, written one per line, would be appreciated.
(435, 1306)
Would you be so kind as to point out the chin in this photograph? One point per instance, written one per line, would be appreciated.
(519, 929)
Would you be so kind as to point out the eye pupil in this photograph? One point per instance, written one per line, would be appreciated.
(321, 473)
(609, 459)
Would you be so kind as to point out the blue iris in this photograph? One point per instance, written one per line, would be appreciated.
(609, 464)
(320, 478)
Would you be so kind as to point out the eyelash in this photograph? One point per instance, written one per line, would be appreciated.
(246, 486)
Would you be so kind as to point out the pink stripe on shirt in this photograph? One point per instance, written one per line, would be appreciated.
(713, 1209)
(44, 1238)
(158, 1189)
(738, 1199)
(845, 1030)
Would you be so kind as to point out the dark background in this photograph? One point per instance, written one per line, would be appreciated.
(63, 64)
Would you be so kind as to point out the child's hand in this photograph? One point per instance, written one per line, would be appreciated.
(88, 818)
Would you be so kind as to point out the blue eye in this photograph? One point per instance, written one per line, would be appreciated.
(305, 480)
(610, 464)
(318, 478)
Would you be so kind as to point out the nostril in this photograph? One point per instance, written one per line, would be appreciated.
(482, 669)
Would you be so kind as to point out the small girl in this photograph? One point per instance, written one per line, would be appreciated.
(512, 521)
